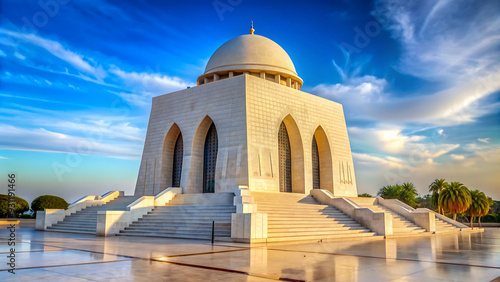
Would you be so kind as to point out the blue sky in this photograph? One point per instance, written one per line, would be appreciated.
(419, 83)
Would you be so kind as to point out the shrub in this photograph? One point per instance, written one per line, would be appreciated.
(365, 195)
(493, 218)
(48, 202)
(21, 205)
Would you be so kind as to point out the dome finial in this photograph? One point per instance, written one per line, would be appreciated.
(251, 29)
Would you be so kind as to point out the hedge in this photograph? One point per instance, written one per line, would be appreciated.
(21, 206)
(48, 202)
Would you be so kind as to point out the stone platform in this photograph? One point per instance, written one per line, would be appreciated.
(56, 256)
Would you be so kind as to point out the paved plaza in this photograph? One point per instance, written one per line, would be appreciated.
(54, 256)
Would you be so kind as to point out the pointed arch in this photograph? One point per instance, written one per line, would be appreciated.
(171, 157)
(325, 165)
(210, 151)
(296, 155)
(315, 164)
(197, 171)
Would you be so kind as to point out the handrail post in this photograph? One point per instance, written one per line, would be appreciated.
(213, 229)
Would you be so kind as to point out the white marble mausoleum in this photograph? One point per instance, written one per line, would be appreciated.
(247, 123)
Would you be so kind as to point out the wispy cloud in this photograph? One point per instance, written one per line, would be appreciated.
(149, 83)
(457, 157)
(366, 159)
(484, 140)
(40, 139)
(435, 46)
(58, 50)
(461, 57)
(119, 81)
(367, 98)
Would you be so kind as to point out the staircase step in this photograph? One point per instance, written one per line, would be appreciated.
(147, 224)
(292, 205)
(316, 228)
(285, 224)
(320, 237)
(181, 228)
(167, 235)
(58, 228)
(315, 218)
(315, 233)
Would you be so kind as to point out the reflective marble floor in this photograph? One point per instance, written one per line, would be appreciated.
(51, 256)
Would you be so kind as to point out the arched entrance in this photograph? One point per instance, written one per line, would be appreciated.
(177, 162)
(285, 159)
(322, 166)
(171, 159)
(291, 157)
(315, 164)
(210, 160)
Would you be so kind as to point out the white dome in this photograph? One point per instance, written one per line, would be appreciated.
(251, 52)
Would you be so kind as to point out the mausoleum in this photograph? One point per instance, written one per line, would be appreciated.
(247, 123)
(245, 156)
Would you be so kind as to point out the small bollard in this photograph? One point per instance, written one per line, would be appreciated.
(213, 229)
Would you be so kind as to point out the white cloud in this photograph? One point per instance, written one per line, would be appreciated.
(394, 149)
(58, 50)
(475, 147)
(478, 170)
(463, 58)
(366, 98)
(149, 83)
(40, 139)
(384, 140)
(437, 42)
(484, 140)
(142, 85)
(356, 91)
(457, 157)
(4, 158)
(108, 129)
(134, 99)
(440, 131)
(19, 56)
(366, 159)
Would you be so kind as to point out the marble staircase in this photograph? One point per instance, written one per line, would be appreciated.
(443, 226)
(296, 217)
(85, 220)
(400, 224)
(187, 216)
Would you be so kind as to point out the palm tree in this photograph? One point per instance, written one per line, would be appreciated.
(455, 198)
(479, 203)
(408, 194)
(486, 210)
(436, 187)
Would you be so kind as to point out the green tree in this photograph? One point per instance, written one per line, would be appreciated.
(365, 195)
(455, 198)
(48, 202)
(406, 193)
(426, 202)
(21, 206)
(486, 210)
(389, 191)
(478, 206)
(436, 187)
